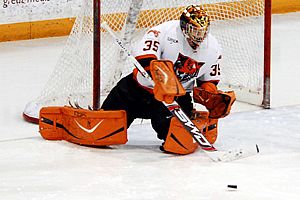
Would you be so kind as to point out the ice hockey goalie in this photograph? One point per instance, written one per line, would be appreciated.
(183, 59)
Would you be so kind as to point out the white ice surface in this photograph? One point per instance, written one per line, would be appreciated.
(33, 168)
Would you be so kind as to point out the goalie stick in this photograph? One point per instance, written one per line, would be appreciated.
(176, 111)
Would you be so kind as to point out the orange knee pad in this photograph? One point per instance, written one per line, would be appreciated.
(81, 126)
(210, 130)
(179, 141)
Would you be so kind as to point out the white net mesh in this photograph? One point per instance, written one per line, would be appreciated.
(238, 26)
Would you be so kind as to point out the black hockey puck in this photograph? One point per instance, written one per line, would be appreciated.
(232, 186)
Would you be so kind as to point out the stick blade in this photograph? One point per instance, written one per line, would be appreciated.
(231, 155)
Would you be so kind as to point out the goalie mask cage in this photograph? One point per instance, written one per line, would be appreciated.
(241, 27)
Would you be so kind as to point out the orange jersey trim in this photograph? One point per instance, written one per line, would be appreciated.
(146, 56)
(135, 70)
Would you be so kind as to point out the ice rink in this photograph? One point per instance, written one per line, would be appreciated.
(35, 169)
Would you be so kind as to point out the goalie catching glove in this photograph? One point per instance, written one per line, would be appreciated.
(167, 86)
(217, 102)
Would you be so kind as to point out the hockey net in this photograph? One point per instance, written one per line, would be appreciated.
(238, 26)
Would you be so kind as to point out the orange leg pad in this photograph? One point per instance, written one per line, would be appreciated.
(50, 123)
(178, 140)
(80, 126)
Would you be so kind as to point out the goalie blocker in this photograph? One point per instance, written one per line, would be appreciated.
(84, 127)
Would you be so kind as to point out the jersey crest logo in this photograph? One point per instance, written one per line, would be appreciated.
(155, 32)
(186, 68)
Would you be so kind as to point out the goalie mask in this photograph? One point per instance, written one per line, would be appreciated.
(194, 23)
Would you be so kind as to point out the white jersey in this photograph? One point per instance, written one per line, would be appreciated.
(167, 42)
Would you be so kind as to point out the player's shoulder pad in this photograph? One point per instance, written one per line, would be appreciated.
(158, 31)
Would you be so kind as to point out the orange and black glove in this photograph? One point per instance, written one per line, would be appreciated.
(217, 102)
